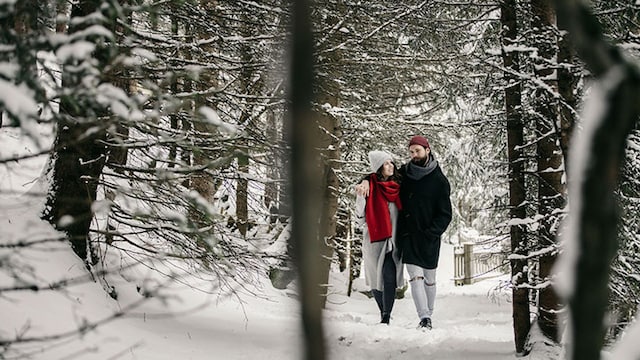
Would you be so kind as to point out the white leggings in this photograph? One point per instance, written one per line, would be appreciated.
(423, 289)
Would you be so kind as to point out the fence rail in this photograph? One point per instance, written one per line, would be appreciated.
(470, 266)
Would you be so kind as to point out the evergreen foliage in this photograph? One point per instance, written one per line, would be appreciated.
(171, 142)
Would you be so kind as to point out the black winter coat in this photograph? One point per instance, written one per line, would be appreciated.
(425, 215)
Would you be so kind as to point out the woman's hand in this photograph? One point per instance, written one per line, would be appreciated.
(362, 189)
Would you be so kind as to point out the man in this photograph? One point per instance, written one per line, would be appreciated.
(425, 215)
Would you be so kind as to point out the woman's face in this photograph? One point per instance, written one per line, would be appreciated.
(387, 168)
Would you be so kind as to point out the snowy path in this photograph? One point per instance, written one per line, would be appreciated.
(468, 324)
(465, 327)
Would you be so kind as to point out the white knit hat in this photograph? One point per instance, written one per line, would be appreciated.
(377, 159)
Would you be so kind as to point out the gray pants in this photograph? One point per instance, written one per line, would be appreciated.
(423, 289)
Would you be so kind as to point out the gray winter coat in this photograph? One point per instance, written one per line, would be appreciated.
(373, 253)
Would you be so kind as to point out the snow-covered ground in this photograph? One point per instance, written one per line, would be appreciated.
(469, 322)
(260, 322)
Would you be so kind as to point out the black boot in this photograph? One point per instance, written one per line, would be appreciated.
(385, 317)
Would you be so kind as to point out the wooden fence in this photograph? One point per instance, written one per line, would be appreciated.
(471, 266)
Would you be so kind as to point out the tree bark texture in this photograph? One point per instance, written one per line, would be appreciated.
(120, 77)
(517, 191)
(199, 154)
(551, 191)
(329, 137)
(79, 155)
(567, 87)
(343, 235)
(242, 186)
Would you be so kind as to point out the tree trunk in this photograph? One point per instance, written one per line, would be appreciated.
(121, 78)
(549, 161)
(273, 174)
(79, 156)
(567, 84)
(62, 10)
(329, 136)
(593, 183)
(174, 118)
(515, 139)
(306, 183)
(26, 16)
(343, 234)
(242, 185)
(201, 181)
(25, 24)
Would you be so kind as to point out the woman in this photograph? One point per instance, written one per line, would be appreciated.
(382, 266)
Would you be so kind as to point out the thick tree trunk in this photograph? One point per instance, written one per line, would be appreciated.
(79, 157)
(593, 183)
(515, 139)
(549, 161)
(306, 183)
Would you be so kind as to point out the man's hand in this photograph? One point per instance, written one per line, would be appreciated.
(362, 189)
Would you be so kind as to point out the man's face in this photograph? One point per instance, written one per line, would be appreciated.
(418, 154)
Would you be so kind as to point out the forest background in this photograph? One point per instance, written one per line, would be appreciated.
(171, 140)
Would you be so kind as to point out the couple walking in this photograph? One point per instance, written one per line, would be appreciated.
(405, 210)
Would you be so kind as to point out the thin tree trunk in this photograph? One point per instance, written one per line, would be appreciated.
(567, 84)
(121, 78)
(242, 185)
(62, 9)
(515, 139)
(342, 237)
(273, 174)
(174, 87)
(201, 181)
(330, 135)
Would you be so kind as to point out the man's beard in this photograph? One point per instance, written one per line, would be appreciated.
(420, 161)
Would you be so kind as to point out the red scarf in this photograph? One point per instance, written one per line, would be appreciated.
(377, 210)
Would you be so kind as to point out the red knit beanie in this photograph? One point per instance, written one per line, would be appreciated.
(419, 140)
